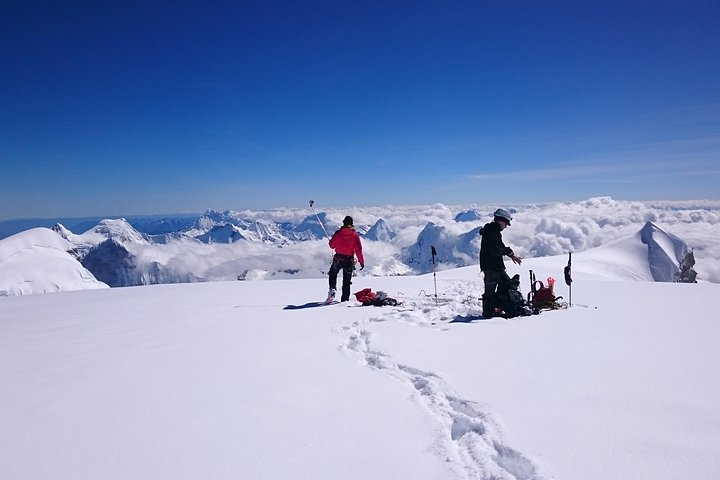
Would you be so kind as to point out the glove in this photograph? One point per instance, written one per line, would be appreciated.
(362, 265)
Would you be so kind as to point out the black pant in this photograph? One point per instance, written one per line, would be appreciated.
(492, 280)
(347, 264)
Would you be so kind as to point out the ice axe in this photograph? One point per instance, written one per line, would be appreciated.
(434, 254)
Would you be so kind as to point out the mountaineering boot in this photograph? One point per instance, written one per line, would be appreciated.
(331, 295)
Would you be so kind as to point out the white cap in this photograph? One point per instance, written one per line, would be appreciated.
(502, 213)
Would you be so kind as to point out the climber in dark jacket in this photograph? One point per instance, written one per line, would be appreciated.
(492, 251)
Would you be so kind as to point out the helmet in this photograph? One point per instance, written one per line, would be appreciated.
(504, 214)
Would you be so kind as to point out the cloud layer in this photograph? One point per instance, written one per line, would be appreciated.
(537, 230)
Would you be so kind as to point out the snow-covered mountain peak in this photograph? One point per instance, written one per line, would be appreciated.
(60, 229)
(37, 261)
(469, 216)
(650, 254)
(35, 238)
(380, 232)
(225, 233)
(120, 230)
(211, 218)
(665, 251)
(312, 229)
(419, 255)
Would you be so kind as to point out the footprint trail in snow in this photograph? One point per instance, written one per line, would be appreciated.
(468, 439)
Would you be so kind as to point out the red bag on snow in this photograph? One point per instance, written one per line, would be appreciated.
(365, 296)
(543, 297)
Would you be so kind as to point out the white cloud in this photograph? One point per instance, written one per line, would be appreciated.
(537, 230)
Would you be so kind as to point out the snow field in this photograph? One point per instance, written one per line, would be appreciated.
(219, 380)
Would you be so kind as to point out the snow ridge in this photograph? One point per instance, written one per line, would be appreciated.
(468, 439)
(665, 252)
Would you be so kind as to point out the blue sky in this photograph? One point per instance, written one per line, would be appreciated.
(129, 107)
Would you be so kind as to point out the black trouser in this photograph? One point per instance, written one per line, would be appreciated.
(492, 280)
(347, 264)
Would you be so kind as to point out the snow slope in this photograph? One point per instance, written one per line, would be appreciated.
(37, 261)
(619, 386)
(223, 381)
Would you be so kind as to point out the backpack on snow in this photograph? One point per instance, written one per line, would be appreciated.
(510, 302)
(542, 296)
(380, 299)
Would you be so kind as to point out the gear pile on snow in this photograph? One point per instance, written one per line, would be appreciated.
(380, 299)
(542, 297)
(510, 302)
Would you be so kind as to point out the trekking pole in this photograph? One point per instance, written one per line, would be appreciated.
(531, 293)
(434, 253)
(312, 202)
(568, 276)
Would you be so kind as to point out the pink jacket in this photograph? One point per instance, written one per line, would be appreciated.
(346, 241)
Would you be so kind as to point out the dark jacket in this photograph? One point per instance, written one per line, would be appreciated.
(346, 241)
(492, 248)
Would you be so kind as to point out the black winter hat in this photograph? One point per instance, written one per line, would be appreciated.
(348, 221)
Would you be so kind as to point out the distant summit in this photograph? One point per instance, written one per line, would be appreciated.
(380, 232)
(211, 218)
(651, 254)
(228, 227)
(37, 261)
(312, 229)
(226, 233)
(469, 216)
(452, 250)
(121, 231)
(665, 253)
